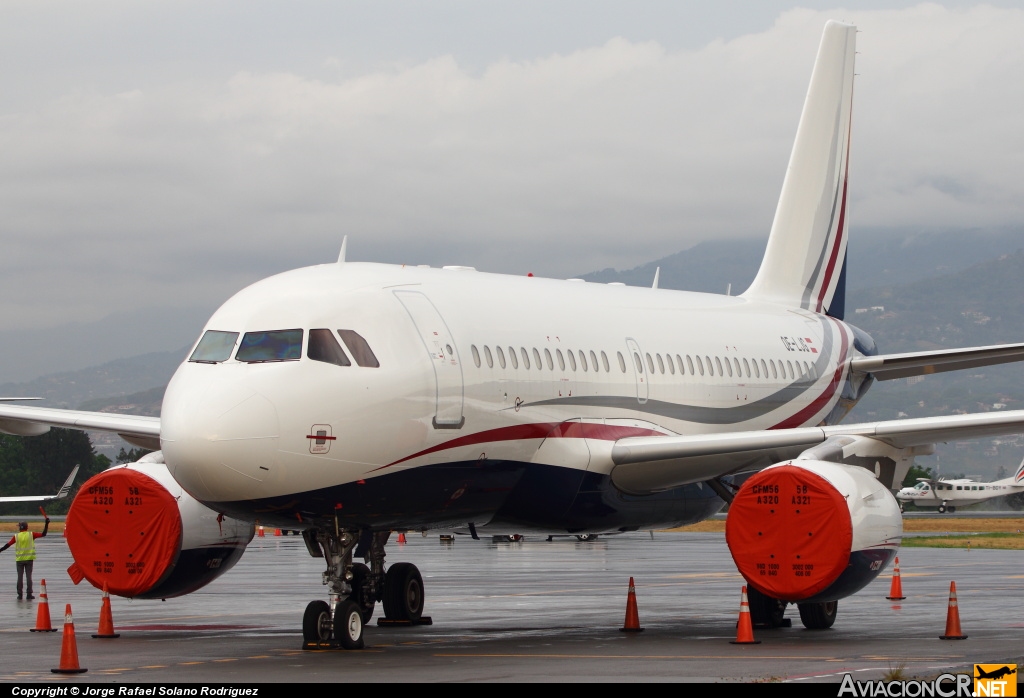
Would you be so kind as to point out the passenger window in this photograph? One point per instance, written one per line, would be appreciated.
(689, 365)
(757, 371)
(547, 357)
(650, 364)
(746, 367)
(501, 356)
(775, 373)
(487, 355)
(476, 355)
(526, 357)
(583, 360)
(679, 360)
(671, 366)
(593, 360)
(700, 365)
(718, 364)
(639, 363)
(536, 359)
(360, 350)
(792, 373)
(561, 359)
(214, 347)
(736, 363)
(622, 361)
(512, 357)
(604, 360)
(324, 347)
(711, 369)
(661, 364)
(273, 345)
(572, 359)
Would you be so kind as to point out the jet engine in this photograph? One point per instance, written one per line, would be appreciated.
(134, 529)
(812, 531)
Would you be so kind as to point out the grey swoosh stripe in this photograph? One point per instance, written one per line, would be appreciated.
(708, 415)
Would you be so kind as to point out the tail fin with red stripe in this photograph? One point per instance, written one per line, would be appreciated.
(804, 264)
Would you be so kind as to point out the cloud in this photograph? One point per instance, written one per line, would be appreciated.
(182, 190)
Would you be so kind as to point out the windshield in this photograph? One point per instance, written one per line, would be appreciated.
(270, 345)
(214, 347)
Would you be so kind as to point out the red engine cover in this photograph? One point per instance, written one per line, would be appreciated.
(124, 530)
(789, 532)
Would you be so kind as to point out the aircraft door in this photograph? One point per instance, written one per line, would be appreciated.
(444, 357)
(634, 357)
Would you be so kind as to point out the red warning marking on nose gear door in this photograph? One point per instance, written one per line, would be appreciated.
(124, 530)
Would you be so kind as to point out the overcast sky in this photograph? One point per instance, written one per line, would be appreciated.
(158, 153)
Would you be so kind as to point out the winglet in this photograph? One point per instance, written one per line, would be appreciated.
(344, 247)
(66, 487)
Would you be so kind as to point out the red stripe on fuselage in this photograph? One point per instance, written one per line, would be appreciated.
(542, 430)
(800, 418)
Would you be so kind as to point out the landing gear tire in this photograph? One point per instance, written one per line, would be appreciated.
(403, 592)
(348, 625)
(942, 508)
(360, 573)
(586, 537)
(317, 629)
(818, 616)
(765, 612)
(951, 510)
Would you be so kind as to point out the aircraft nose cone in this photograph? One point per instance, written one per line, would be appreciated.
(219, 435)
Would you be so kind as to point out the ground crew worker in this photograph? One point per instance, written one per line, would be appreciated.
(24, 542)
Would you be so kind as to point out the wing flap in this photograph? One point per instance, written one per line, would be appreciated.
(644, 465)
(891, 366)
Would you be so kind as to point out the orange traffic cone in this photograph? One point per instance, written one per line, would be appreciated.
(69, 648)
(744, 628)
(953, 618)
(43, 613)
(896, 590)
(401, 539)
(260, 533)
(277, 531)
(106, 629)
(632, 624)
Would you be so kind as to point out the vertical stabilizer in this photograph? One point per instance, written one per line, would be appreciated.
(804, 263)
(1018, 477)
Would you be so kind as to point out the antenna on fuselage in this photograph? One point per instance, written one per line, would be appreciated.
(657, 273)
(728, 289)
(344, 246)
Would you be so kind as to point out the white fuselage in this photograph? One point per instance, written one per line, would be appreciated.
(234, 431)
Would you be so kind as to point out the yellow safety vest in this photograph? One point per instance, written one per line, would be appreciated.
(24, 546)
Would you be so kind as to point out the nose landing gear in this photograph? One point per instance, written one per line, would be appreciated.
(355, 588)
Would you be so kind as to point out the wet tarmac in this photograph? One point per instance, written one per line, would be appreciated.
(525, 611)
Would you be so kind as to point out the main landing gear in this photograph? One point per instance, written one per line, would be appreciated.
(354, 589)
(766, 612)
(943, 508)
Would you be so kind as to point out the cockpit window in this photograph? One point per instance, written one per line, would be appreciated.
(214, 347)
(324, 347)
(922, 486)
(272, 345)
(360, 350)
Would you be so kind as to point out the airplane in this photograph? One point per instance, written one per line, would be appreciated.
(351, 400)
(995, 673)
(63, 492)
(947, 495)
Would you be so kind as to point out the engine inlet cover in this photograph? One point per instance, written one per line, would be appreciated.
(789, 531)
(124, 530)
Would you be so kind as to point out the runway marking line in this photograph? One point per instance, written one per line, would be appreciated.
(154, 666)
(615, 656)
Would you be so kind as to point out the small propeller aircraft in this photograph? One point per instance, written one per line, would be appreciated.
(947, 495)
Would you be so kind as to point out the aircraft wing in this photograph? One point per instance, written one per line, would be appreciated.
(647, 464)
(61, 493)
(22, 420)
(891, 366)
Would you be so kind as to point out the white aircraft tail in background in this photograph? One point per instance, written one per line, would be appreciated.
(63, 492)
